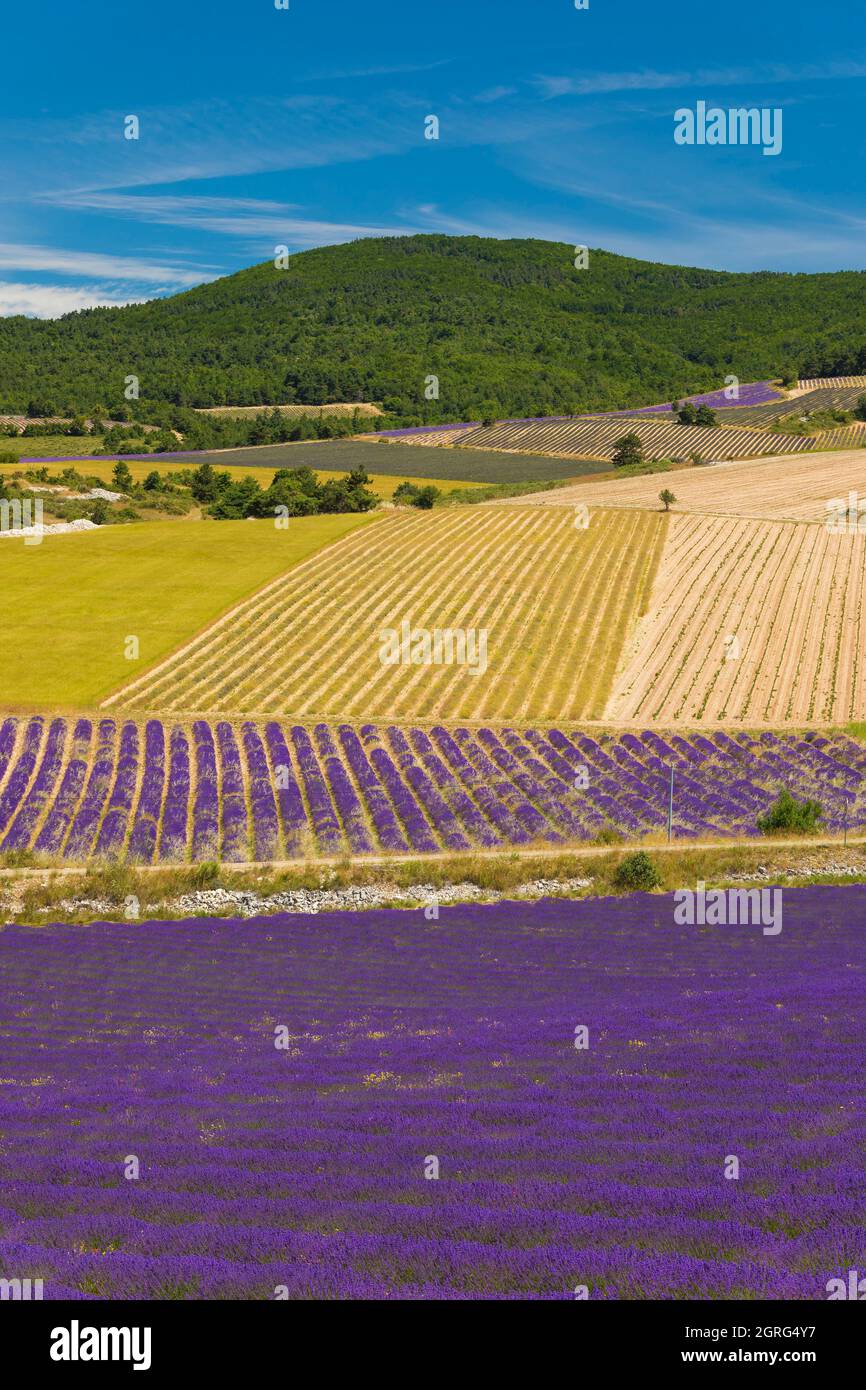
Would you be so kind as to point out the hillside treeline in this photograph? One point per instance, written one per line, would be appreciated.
(507, 328)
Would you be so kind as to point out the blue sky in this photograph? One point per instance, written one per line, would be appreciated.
(302, 127)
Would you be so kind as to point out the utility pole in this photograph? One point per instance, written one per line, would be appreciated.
(671, 807)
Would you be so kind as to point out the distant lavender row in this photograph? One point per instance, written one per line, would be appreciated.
(755, 393)
(751, 393)
(155, 793)
(301, 1163)
(467, 425)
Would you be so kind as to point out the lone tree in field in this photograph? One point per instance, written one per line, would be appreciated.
(627, 450)
(667, 497)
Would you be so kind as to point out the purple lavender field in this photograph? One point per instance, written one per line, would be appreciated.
(304, 1168)
(750, 393)
(155, 792)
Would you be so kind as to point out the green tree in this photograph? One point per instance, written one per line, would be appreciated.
(121, 477)
(627, 450)
(667, 497)
(203, 483)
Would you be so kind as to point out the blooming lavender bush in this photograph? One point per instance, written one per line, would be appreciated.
(175, 819)
(145, 830)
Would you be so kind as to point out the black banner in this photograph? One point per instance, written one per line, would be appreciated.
(156, 1339)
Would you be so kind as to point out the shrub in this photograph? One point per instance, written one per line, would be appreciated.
(412, 495)
(427, 496)
(608, 835)
(637, 872)
(205, 875)
(788, 814)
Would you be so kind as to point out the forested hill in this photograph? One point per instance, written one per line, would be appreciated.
(508, 327)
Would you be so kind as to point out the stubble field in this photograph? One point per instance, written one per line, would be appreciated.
(555, 604)
(749, 621)
(783, 489)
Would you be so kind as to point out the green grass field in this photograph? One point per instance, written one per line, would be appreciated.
(71, 602)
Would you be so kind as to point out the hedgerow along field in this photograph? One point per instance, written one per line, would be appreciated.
(158, 792)
(286, 1082)
(382, 484)
(553, 602)
(757, 621)
(71, 602)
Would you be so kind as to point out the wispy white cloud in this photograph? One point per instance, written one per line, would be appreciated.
(229, 216)
(712, 242)
(492, 94)
(51, 301)
(59, 261)
(648, 79)
(396, 70)
(216, 139)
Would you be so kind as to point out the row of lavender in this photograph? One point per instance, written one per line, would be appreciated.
(152, 793)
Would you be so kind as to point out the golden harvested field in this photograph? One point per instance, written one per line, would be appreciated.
(845, 437)
(749, 622)
(555, 603)
(817, 383)
(437, 439)
(242, 412)
(785, 488)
